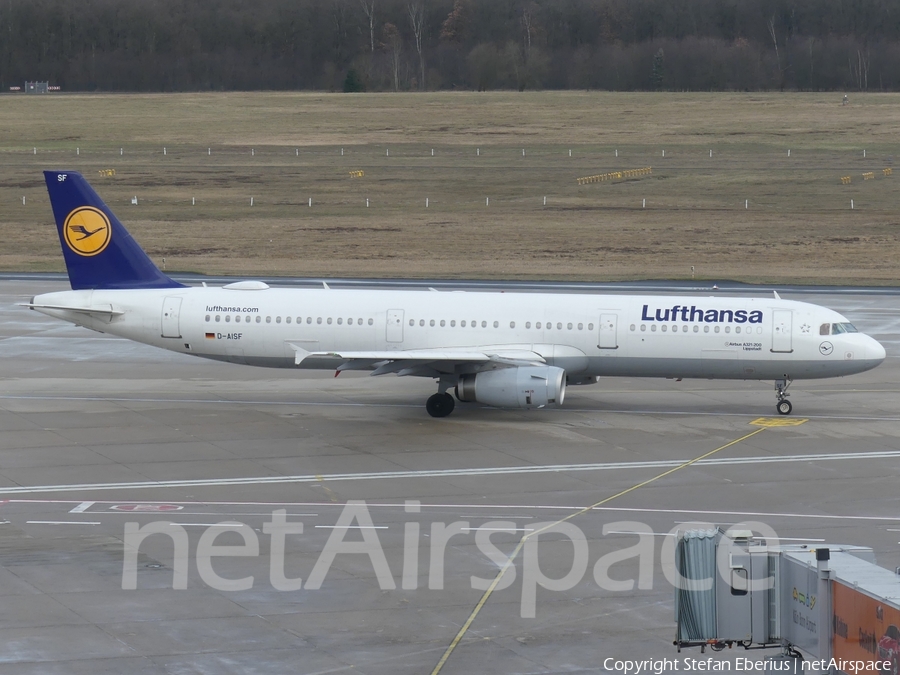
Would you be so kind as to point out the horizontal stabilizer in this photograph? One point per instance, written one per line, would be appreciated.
(101, 310)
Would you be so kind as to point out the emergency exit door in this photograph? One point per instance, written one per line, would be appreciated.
(394, 331)
(607, 337)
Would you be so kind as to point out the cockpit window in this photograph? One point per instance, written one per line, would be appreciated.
(825, 329)
(838, 328)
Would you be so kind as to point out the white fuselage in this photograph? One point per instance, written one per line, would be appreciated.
(587, 335)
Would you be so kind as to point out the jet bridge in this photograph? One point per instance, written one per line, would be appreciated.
(830, 605)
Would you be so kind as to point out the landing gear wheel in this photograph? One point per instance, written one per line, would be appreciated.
(784, 407)
(440, 405)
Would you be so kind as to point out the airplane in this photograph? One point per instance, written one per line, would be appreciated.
(507, 350)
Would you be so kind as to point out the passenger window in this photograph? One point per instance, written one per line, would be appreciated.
(590, 326)
(319, 320)
(643, 327)
(825, 329)
(484, 324)
(299, 319)
(227, 318)
(258, 319)
(431, 323)
(737, 329)
(453, 323)
(496, 324)
(421, 322)
(207, 318)
(537, 325)
(328, 320)
(512, 324)
(443, 323)
(705, 329)
(727, 329)
(581, 327)
(558, 326)
(412, 322)
(696, 329)
(569, 327)
(462, 324)
(340, 321)
(371, 322)
(277, 319)
(716, 329)
(664, 328)
(653, 328)
(237, 319)
(268, 319)
(632, 328)
(309, 319)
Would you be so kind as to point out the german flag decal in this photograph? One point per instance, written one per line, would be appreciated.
(210, 336)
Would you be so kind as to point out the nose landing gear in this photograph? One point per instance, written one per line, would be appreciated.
(783, 406)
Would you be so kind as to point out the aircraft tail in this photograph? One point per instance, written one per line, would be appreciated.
(98, 250)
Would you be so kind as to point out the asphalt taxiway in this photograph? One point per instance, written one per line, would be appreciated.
(97, 432)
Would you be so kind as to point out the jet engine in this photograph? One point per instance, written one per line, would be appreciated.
(522, 387)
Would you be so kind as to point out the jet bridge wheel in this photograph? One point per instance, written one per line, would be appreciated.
(440, 405)
(784, 407)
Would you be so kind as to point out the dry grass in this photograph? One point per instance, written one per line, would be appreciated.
(799, 226)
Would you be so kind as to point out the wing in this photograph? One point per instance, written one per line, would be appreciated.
(422, 362)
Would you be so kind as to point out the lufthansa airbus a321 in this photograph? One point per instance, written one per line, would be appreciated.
(509, 350)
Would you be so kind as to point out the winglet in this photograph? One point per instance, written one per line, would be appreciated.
(99, 252)
(777, 297)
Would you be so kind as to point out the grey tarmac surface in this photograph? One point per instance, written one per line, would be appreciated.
(93, 427)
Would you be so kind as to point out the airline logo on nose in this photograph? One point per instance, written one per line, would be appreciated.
(87, 231)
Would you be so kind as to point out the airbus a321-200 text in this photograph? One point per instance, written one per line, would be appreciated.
(508, 350)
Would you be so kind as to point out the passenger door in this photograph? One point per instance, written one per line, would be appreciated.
(782, 320)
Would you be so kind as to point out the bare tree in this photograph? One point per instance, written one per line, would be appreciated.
(416, 12)
(393, 44)
(369, 10)
(771, 24)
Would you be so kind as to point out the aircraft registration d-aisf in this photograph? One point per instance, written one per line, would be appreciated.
(509, 350)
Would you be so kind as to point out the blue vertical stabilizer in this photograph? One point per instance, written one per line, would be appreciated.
(98, 250)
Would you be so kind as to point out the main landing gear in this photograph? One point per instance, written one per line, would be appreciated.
(440, 405)
(783, 406)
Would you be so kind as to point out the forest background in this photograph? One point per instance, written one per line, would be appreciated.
(402, 45)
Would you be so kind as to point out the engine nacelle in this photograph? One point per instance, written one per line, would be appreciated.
(523, 387)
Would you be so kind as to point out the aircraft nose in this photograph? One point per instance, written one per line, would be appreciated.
(875, 350)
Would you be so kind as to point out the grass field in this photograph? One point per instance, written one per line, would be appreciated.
(282, 149)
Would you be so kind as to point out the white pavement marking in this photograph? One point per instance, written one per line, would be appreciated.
(535, 507)
(82, 507)
(208, 524)
(444, 473)
(345, 404)
(60, 522)
(352, 527)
